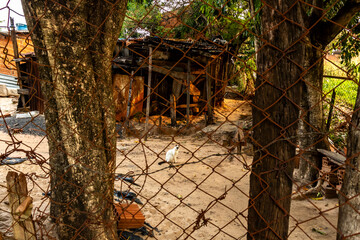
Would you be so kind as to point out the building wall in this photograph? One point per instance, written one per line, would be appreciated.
(7, 66)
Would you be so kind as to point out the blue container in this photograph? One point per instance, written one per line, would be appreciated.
(21, 27)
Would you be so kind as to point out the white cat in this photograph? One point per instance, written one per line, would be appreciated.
(171, 156)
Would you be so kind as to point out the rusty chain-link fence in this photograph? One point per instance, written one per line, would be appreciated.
(179, 119)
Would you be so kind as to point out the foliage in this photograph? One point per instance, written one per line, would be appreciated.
(214, 19)
(245, 66)
(345, 90)
(349, 43)
(141, 20)
(223, 20)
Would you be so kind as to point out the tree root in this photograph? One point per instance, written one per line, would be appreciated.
(312, 192)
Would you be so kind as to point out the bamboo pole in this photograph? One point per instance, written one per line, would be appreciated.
(148, 95)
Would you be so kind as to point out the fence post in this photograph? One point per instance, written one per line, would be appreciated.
(21, 206)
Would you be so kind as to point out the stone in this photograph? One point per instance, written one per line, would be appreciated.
(13, 92)
(3, 90)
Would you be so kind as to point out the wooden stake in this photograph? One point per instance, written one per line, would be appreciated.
(21, 206)
(148, 95)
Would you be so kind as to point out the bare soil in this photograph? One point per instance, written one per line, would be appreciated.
(205, 198)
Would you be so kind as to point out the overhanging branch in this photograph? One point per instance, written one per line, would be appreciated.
(325, 32)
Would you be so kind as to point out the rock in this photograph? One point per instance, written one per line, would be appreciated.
(5, 224)
(13, 92)
(3, 90)
(27, 115)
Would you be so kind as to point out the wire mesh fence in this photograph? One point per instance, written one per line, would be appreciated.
(179, 120)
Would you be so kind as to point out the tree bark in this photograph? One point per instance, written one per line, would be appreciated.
(312, 131)
(349, 197)
(312, 134)
(74, 42)
(275, 114)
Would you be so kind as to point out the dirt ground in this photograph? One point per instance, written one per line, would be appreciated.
(174, 198)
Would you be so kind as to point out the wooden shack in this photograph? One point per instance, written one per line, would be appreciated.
(184, 76)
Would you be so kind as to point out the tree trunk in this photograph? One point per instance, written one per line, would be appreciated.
(275, 114)
(349, 198)
(312, 130)
(74, 43)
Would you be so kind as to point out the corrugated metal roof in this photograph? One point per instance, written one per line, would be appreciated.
(9, 81)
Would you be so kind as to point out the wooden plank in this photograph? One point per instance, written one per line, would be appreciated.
(23, 91)
(176, 88)
(129, 216)
(21, 206)
(194, 90)
(190, 105)
(171, 72)
(148, 95)
(333, 157)
(121, 85)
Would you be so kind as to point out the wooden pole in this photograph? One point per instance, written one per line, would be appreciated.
(129, 101)
(328, 123)
(148, 95)
(21, 206)
(188, 93)
(16, 56)
(173, 109)
(210, 117)
(176, 90)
